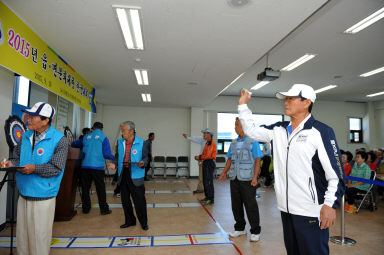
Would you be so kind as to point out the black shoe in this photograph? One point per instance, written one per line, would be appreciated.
(106, 212)
(126, 225)
(146, 178)
(204, 200)
(86, 211)
(197, 191)
(145, 227)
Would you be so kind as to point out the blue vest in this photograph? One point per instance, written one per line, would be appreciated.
(93, 150)
(242, 165)
(136, 156)
(33, 185)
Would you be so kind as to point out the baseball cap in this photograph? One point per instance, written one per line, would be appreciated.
(298, 90)
(41, 109)
(207, 130)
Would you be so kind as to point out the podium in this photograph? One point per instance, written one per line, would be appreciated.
(65, 200)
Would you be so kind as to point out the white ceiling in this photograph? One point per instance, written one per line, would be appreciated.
(210, 43)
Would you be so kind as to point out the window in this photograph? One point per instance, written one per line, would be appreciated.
(22, 86)
(355, 130)
(226, 127)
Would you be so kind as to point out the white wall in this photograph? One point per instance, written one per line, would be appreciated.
(168, 124)
(6, 87)
(332, 113)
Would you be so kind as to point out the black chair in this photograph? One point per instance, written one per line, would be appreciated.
(158, 166)
(170, 166)
(182, 167)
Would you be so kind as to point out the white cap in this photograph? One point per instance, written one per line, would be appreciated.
(41, 109)
(207, 130)
(298, 90)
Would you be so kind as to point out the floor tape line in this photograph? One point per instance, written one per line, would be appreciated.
(151, 192)
(217, 224)
(132, 241)
(151, 205)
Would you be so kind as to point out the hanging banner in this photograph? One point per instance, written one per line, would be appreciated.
(24, 52)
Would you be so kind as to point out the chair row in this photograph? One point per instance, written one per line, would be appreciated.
(179, 166)
(170, 166)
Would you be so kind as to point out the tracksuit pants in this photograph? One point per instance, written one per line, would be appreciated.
(303, 236)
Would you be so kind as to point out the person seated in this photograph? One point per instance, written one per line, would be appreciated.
(359, 170)
(346, 157)
(371, 158)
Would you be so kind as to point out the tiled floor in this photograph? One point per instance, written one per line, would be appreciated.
(367, 227)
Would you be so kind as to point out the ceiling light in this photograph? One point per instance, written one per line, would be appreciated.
(298, 62)
(378, 70)
(146, 97)
(366, 22)
(376, 94)
(325, 88)
(141, 76)
(259, 85)
(129, 19)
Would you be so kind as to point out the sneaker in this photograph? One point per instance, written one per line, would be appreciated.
(204, 200)
(237, 233)
(209, 202)
(118, 195)
(197, 191)
(255, 238)
(350, 208)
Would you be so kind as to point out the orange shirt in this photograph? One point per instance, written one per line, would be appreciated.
(209, 151)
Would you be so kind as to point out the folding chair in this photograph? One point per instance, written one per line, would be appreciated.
(182, 167)
(170, 166)
(158, 166)
(367, 197)
(220, 165)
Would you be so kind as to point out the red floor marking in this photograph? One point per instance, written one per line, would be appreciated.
(190, 238)
(210, 215)
(236, 248)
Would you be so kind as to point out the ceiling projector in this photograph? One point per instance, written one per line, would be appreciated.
(268, 75)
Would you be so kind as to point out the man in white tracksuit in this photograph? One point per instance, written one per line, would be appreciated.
(309, 176)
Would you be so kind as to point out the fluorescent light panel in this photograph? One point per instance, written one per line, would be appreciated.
(378, 70)
(129, 19)
(366, 22)
(298, 62)
(146, 97)
(376, 94)
(259, 85)
(141, 76)
(325, 88)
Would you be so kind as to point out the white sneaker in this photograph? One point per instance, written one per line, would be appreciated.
(237, 233)
(255, 238)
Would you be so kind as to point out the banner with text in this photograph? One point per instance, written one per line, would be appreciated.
(24, 52)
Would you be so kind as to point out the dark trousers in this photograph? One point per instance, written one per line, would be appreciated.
(147, 167)
(129, 189)
(87, 175)
(350, 194)
(208, 170)
(243, 194)
(265, 170)
(303, 236)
